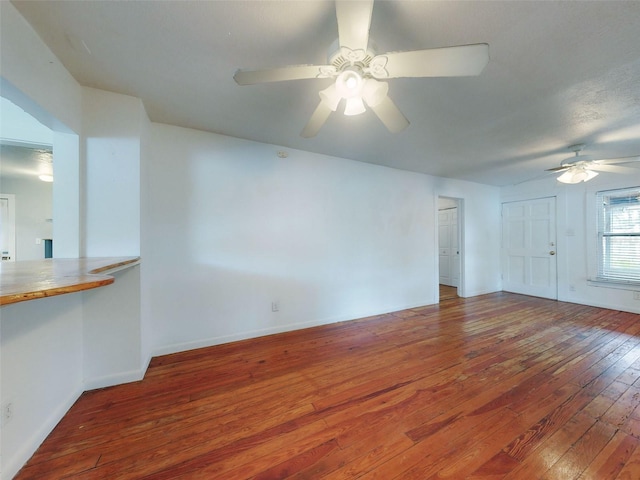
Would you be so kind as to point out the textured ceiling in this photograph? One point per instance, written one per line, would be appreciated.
(26, 163)
(560, 73)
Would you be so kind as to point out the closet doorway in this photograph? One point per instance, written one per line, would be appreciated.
(449, 246)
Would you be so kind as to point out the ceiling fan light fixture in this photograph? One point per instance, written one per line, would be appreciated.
(589, 175)
(355, 106)
(349, 83)
(46, 178)
(330, 97)
(577, 175)
(374, 92)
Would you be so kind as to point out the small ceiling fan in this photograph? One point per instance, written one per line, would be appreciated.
(358, 70)
(582, 168)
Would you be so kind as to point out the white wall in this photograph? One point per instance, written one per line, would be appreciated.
(66, 195)
(33, 210)
(18, 127)
(228, 229)
(41, 368)
(67, 336)
(41, 341)
(233, 228)
(32, 76)
(111, 332)
(146, 319)
(36, 81)
(480, 239)
(112, 128)
(576, 237)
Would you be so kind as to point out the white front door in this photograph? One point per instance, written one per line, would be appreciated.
(448, 247)
(529, 247)
(7, 227)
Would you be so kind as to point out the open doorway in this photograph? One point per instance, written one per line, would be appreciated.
(55, 152)
(26, 189)
(449, 247)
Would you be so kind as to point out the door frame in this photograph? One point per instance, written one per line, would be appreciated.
(11, 203)
(461, 245)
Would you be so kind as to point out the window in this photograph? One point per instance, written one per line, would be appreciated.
(619, 235)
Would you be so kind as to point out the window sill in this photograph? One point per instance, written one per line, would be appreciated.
(620, 285)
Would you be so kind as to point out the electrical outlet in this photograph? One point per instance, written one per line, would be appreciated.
(636, 295)
(572, 288)
(7, 412)
(275, 306)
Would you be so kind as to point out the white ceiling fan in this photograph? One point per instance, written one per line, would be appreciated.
(582, 168)
(358, 70)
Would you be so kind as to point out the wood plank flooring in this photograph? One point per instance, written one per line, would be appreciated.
(447, 292)
(499, 386)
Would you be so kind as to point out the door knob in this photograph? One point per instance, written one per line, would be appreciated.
(552, 252)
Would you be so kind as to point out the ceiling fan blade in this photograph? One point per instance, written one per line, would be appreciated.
(297, 72)
(538, 177)
(559, 169)
(620, 160)
(615, 169)
(317, 120)
(390, 115)
(354, 21)
(464, 60)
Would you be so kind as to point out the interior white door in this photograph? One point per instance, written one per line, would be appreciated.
(529, 247)
(449, 253)
(7, 227)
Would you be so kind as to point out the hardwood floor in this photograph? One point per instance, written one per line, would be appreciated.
(447, 292)
(499, 386)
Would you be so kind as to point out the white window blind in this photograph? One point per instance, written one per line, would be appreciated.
(619, 235)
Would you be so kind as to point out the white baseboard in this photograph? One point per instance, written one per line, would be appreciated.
(477, 293)
(608, 306)
(219, 340)
(17, 461)
(115, 379)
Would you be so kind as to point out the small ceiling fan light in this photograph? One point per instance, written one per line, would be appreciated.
(46, 178)
(355, 106)
(374, 92)
(570, 176)
(577, 175)
(330, 97)
(349, 84)
(580, 176)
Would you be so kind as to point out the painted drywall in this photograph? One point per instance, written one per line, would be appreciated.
(146, 319)
(234, 228)
(576, 237)
(41, 352)
(33, 77)
(35, 80)
(479, 213)
(41, 362)
(18, 127)
(229, 228)
(112, 127)
(33, 215)
(111, 332)
(65, 333)
(66, 195)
